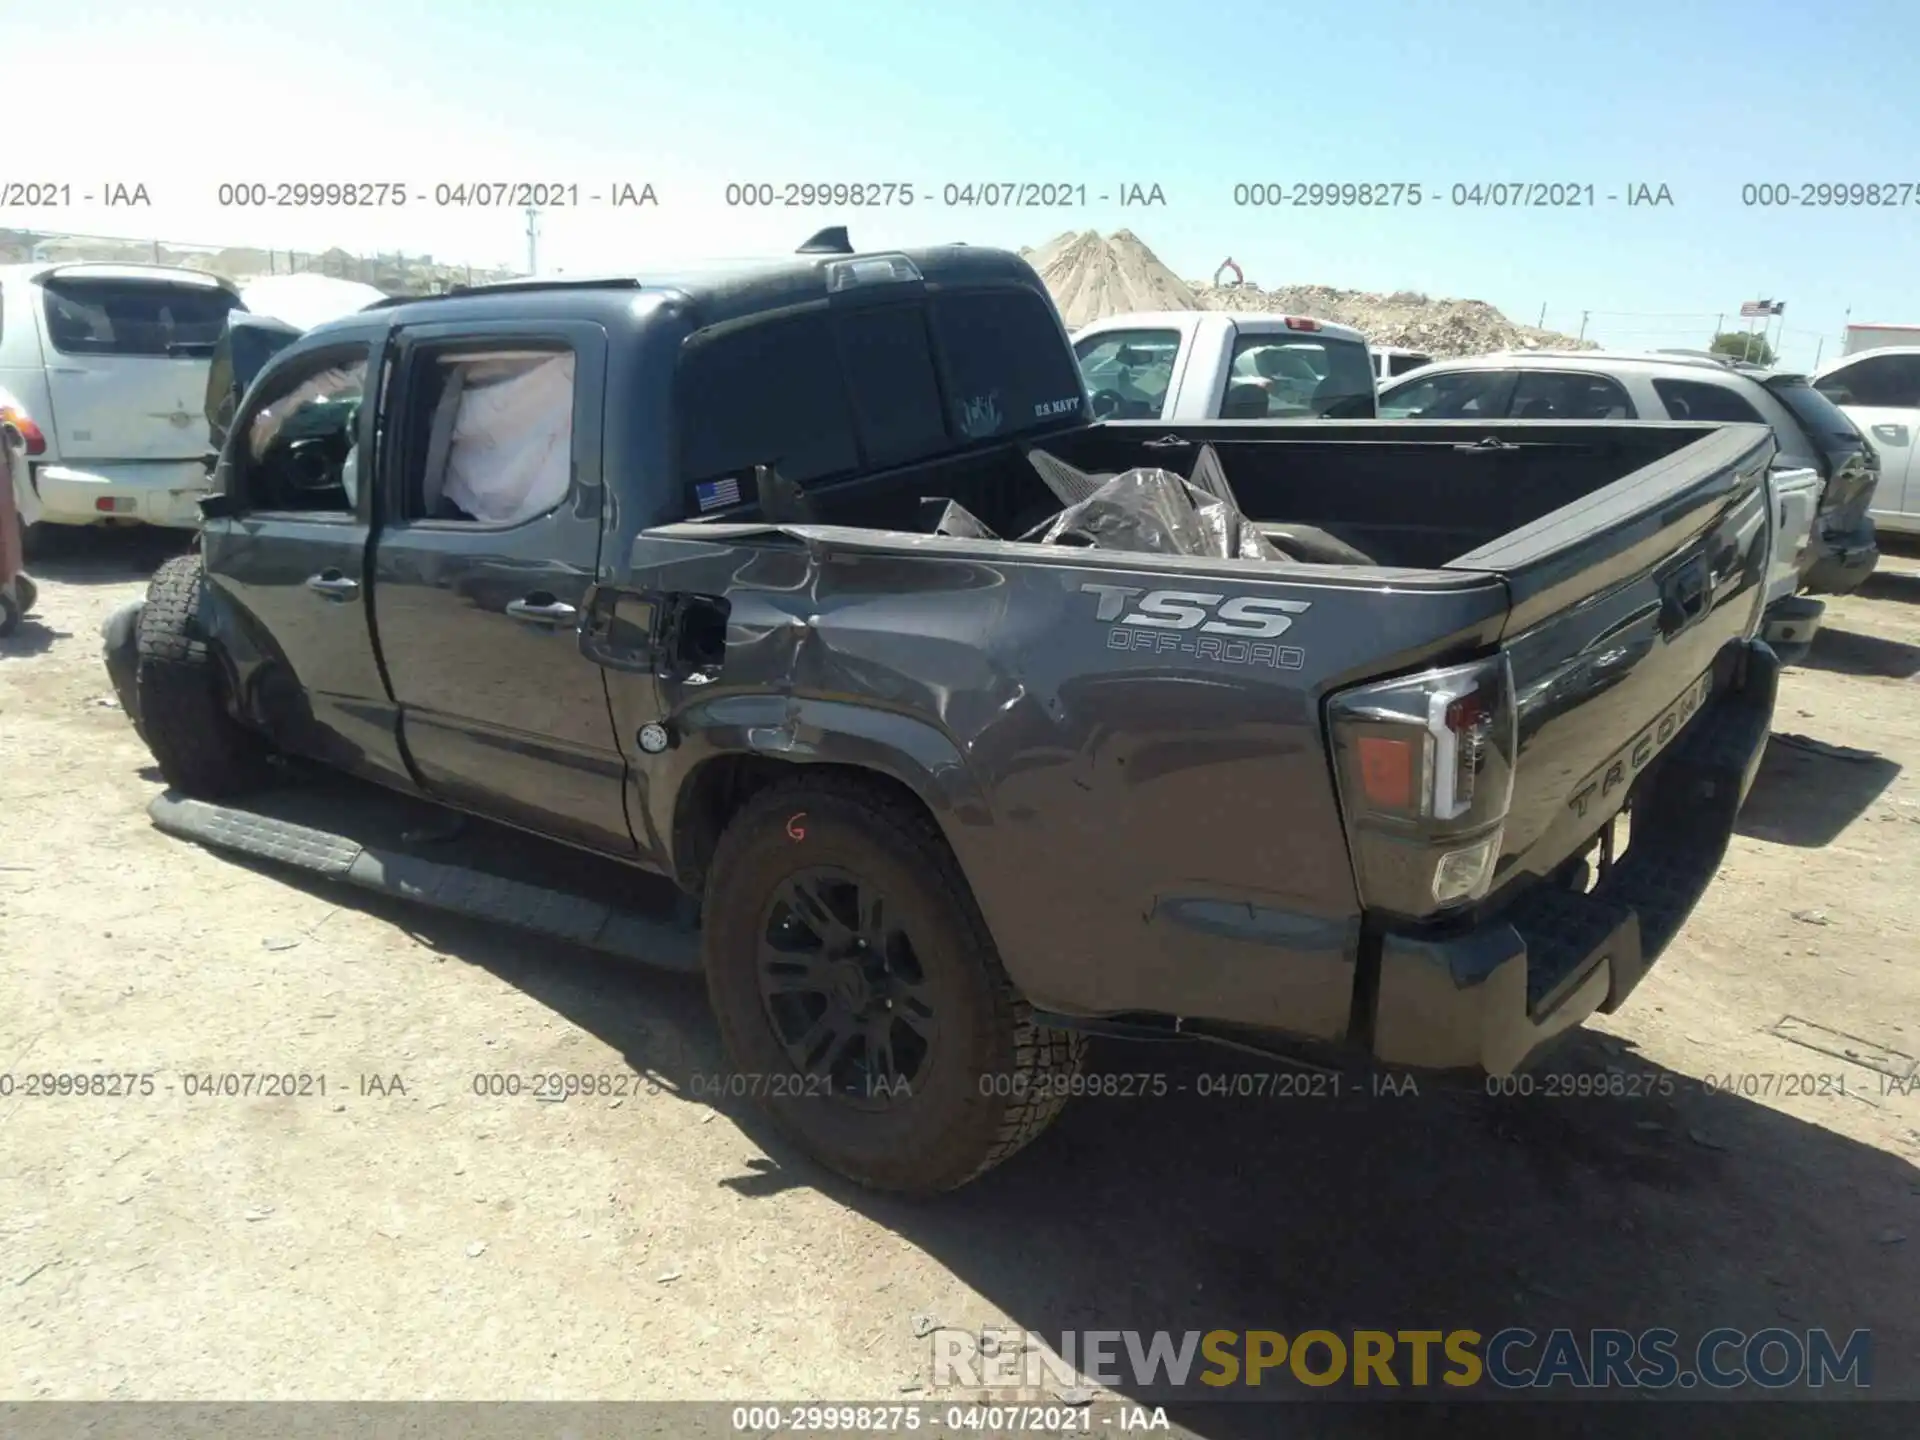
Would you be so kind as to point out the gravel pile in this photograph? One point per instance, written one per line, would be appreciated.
(1091, 277)
(1439, 327)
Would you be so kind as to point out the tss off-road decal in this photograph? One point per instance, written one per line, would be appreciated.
(1237, 630)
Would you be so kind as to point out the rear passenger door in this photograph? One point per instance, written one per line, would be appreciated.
(491, 509)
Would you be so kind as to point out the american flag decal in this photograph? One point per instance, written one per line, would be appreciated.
(716, 494)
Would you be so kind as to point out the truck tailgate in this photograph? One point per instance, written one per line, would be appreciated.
(1627, 609)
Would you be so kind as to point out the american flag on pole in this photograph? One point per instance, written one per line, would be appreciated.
(1753, 309)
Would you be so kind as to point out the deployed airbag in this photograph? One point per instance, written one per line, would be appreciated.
(510, 457)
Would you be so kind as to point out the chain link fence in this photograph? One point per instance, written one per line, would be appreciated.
(395, 272)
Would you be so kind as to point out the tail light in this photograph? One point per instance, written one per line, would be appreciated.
(1295, 322)
(1425, 769)
(29, 432)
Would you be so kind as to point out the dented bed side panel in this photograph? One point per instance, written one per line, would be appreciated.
(1145, 735)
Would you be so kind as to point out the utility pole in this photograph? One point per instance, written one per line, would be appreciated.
(533, 241)
(1583, 324)
(1543, 317)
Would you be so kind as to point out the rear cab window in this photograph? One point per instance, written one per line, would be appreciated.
(1298, 375)
(1128, 372)
(127, 316)
(837, 390)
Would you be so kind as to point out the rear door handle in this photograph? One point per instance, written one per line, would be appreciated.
(542, 610)
(1892, 434)
(333, 585)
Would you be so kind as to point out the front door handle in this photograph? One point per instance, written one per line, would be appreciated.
(333, 585)
(1892, 434)
(542, 610)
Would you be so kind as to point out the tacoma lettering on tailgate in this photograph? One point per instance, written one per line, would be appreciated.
(1632, 758)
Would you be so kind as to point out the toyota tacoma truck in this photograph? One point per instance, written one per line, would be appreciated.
(960, 725)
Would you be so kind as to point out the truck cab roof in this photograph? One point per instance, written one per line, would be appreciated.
(731, 290)
(1250, 321)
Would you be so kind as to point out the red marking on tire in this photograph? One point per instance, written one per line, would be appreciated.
(796, 827)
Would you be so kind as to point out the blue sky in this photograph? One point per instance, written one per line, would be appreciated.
(1701, 96)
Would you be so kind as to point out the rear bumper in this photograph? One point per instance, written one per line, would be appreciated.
(1843, 561)
(1492, 998)
(164, 492)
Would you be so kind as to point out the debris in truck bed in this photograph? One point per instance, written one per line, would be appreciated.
(1157, 512)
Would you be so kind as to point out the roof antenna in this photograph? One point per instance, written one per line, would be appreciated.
(830, 241)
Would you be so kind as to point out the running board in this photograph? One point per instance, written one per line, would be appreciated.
(460, 889)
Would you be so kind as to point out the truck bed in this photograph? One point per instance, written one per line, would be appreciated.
(1408, 495)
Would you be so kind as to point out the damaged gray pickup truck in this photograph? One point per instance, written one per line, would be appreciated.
(967, 727)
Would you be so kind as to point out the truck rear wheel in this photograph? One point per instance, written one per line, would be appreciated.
(860, 997)
(201, 750)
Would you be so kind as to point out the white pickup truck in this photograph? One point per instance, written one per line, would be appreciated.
(1224, 365)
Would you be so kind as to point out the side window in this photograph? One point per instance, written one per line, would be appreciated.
(489, 433)
(1883, 381)
(297, 455)
(1697, 400)
(765, 394)
(1450, 395)
(1128, 372)
(1569, 395)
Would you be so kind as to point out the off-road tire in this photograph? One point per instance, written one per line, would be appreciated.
(997, 1077)
(201, 750)
(10, 612)
(28, 593)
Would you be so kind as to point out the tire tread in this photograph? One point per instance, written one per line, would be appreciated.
(200, 749)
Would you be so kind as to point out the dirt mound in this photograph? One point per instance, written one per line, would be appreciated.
(1091, 277)
(1439, 327)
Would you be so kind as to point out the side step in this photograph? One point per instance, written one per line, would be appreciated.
(460, 889)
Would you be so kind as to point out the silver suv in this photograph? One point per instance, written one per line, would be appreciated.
(1674, 385)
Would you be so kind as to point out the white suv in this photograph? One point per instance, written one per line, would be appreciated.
(110, 362)
(1810, 430)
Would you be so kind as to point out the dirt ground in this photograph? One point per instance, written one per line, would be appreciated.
(411, 1238)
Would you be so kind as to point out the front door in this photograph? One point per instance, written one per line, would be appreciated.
(291, 555)
(491, 511)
